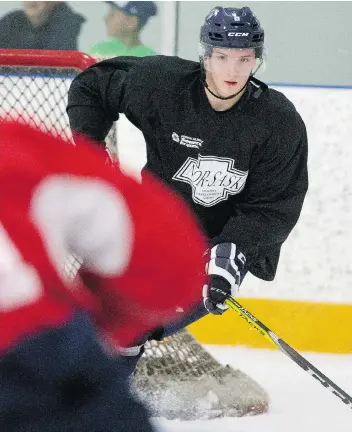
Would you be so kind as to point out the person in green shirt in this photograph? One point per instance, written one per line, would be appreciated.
(124, 22)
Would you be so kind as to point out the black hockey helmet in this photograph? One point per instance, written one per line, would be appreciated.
(231, 28)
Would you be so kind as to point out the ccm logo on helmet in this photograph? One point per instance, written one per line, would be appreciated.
(237, 34)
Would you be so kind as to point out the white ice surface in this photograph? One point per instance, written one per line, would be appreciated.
(299, 403)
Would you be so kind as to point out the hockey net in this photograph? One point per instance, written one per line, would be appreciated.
(177, 377)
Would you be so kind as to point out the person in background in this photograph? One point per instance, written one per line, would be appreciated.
(124, 22)
(50, 25)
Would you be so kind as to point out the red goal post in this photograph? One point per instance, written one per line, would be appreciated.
(46, 58)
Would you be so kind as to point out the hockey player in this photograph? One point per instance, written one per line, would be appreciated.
(60, 338)
(235, 149)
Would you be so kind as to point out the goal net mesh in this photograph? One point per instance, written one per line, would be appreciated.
(177, 377)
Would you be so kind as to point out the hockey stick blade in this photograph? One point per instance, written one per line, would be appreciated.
(289, 351)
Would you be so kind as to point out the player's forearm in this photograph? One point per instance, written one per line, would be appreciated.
(277, 186)
(260, 231)
(91, 122)
(86, 113)
(87, 106)
(261, 225)
(267, 218)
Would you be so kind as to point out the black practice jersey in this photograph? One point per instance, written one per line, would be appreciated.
(243, 171)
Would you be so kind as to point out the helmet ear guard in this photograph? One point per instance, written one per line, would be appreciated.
(259, 52)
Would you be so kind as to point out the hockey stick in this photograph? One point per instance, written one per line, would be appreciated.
(286, 349)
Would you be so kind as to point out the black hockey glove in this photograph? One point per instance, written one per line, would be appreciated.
(226, 271)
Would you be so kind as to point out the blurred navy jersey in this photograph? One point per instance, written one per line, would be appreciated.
(61, 380)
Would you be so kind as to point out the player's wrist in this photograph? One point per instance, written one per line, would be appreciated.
(226, 269)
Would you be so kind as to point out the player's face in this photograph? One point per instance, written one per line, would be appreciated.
(117, 23)
(229, 69)
(38, 12)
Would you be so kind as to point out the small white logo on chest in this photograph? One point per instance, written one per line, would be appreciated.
(187, 140)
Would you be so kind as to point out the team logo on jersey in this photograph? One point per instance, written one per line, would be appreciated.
(212, 179)
(187, 140)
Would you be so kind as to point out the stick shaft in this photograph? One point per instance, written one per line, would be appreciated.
(289, 351)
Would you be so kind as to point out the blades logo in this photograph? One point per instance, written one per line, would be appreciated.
(212, 179)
